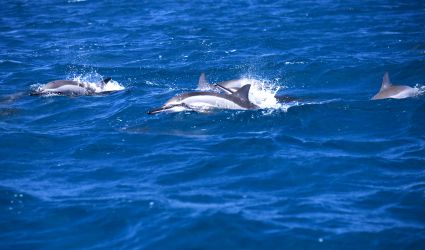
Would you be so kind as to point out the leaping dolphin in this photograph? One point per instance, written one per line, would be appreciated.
(388, 90)
(67, 87)
(232, 86)
(208, 100)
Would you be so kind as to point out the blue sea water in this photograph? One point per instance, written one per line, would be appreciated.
(335, 171)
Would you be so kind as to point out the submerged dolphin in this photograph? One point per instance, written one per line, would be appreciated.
(228, 87)
(207, 100)
(232, 86)
(67, 87)
(388, 90)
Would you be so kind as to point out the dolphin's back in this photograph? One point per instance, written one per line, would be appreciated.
(71, 90)
(395, 91)
(213, 99)
(59, 83)
(389, 90)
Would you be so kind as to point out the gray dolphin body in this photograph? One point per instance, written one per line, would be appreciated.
(388, 90)
(228, 87)
(208, 100)
(67, 87)
(232, 86)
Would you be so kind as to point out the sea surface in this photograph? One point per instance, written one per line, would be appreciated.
(333, 170)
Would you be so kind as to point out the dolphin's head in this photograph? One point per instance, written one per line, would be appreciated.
(169, 108)
(175, 104)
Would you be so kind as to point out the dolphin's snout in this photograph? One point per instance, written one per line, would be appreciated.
(156, 110)
(169, 107)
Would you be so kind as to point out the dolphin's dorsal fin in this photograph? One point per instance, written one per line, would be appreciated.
(386, 81)
(243, 92)
(106, 80)
(203, 83)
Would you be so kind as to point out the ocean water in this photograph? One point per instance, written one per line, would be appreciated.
(334, 170)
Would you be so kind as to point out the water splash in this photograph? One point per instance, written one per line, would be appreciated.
(94, 81)
(420, 89)
(263, 94)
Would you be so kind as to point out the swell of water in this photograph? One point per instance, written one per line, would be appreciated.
(331, 170)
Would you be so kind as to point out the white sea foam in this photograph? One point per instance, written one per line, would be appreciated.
(94, 80)
(262, 94)
(420, 89)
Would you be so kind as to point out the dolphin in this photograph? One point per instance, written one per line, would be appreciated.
(202, 100)
(232, 86)
(227, 87)
(68, 87)
(388, 90)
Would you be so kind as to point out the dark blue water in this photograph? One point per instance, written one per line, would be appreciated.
(335, 172)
